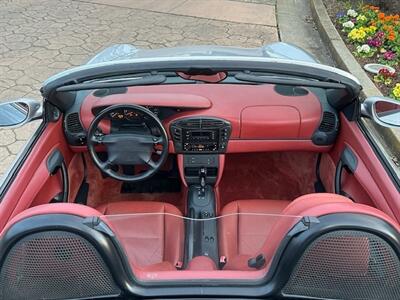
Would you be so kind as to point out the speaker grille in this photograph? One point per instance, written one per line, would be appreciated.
(346, 265)
(73, 124)
(55, 265)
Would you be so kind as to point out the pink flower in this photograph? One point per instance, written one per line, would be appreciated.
(380, 34)
(389, 55)
(375, 42)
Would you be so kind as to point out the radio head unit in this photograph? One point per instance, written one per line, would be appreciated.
(205, 135)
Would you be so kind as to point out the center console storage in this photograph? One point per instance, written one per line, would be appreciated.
(201, 173)
(201, 141)
(201, 230)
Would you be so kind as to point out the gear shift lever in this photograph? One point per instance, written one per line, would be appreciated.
(202, 176)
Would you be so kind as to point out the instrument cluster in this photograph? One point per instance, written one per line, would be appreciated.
(132, 115)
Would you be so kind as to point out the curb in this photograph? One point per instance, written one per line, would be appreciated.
(345, 60)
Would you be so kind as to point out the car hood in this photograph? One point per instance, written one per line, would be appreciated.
(279, 50)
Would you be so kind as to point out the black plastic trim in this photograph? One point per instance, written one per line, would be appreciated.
(54, 161)
(222, 133)
(319, 185)
(347, 161)
(321, 137)
(202, 239)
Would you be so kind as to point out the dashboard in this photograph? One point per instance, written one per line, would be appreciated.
(126, 115)
(133, 116)
(251, 118)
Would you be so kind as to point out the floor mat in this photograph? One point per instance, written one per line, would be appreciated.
(271, 175)
(162, 182)
(105, 190)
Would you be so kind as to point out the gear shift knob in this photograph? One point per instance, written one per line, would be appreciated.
(202, 175)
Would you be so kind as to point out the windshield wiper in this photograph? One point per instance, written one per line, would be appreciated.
(288, 81)
(93, 85)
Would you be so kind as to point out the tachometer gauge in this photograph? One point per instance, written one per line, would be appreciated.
(117, 115)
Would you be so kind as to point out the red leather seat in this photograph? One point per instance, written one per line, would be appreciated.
(252, 227)
(245, 227)
(151, 233)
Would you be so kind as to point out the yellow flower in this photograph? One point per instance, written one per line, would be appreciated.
(396, 91)
(357, 34)
(361, 18)
(370, 30)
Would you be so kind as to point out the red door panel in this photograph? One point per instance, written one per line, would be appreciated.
(33, 184)
(370, 183)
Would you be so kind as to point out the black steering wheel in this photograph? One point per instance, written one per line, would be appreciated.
(129, 148)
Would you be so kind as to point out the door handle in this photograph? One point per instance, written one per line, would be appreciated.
(347, 161)
(56, 162)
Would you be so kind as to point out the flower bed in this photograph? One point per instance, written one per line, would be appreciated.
(373, 37)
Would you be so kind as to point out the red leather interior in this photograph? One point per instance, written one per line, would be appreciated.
(33, 184)
(327, 172)
(55, 208)
(370, 178)
(244, 106)
(106, 189)
(75, 174)
(231, 244)
(153, 97)
(201, 267)
(270, 122)
(150, 232)
(244, 227)
(269, 175)
(201, 263)
(206, 78)
(51, 188)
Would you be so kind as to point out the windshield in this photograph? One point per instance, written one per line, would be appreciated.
(195, 61)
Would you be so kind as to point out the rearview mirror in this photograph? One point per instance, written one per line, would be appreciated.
(19, 112)
(384, 111)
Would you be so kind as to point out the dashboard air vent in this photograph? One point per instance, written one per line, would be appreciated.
(73, 124)
(191, 123)
(210, 123)
(198, 123)
(328, 123)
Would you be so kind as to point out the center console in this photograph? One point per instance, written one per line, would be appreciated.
(201, 142)
(200, 135)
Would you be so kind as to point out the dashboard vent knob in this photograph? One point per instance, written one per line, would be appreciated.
(328, 123)
(73, 123)
(177, 133)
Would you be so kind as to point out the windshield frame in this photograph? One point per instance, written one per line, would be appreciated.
(200, 65)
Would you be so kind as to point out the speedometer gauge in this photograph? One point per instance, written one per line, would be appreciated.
(131, 115)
